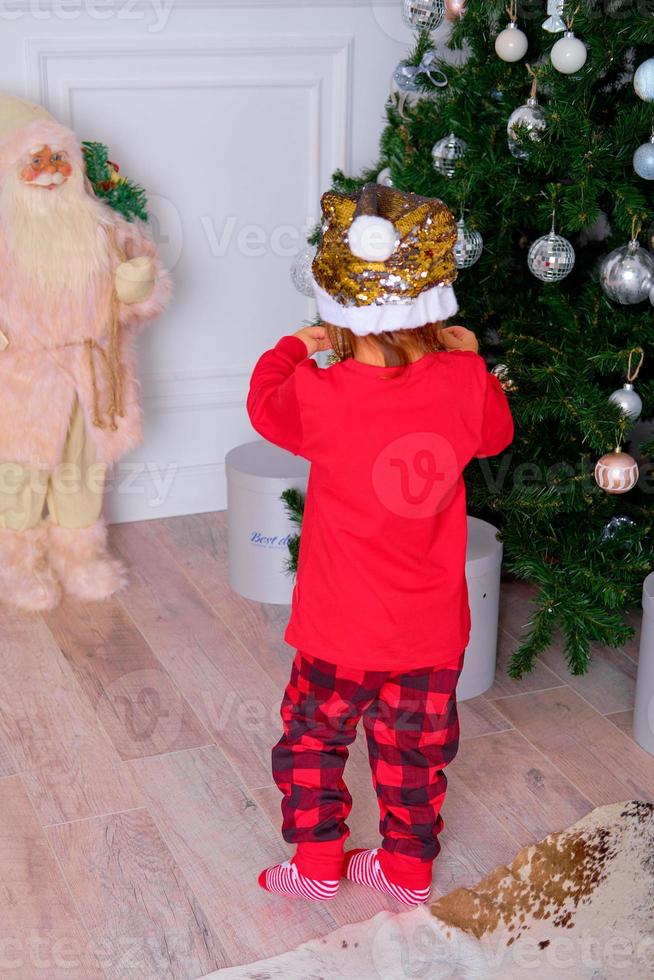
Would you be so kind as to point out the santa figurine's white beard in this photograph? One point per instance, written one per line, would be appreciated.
(57, 238)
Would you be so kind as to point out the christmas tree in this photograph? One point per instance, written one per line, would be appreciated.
(530, 122)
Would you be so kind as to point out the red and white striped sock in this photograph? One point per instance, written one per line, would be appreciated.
(285, 879)
(363, 867)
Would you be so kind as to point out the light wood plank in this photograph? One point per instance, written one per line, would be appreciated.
(199, 544)
(69, 767)
(40, 932)
(604, 764)
(478, 716)
(525, 792)
(228, 691)
(7, 764)
(140, 708)
(221, 839)
(540, 678)
(134, 899)
(624, 720)
(610, 683)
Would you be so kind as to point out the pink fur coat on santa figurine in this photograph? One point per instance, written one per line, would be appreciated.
(77, 281)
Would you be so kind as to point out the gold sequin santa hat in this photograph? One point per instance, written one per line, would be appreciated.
(386, 261)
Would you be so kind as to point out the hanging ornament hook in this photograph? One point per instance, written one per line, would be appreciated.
(633, 374)
(512, 11)
(636, 227)
(571, 19)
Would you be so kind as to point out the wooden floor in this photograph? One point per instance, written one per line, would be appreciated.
(136, 802)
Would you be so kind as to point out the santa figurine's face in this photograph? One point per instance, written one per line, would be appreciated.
(47, 168)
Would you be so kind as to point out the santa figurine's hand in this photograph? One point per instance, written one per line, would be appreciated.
(135, 280)
(458, 338)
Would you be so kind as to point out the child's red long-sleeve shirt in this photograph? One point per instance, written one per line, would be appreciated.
(381, 574)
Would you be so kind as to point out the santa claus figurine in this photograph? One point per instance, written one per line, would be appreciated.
(76, 282)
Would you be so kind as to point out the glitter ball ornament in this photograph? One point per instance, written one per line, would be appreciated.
(421, 14)
(528, 118)
(468, 246)
(569, 54)
(445, 154)
(627, 274)
(511, 44)
(554, 23)
(501, 372)
(644, 80)
(613, 527)
(551, 258)
(301, 274)
(628, 400)
(644, 160)
(384, 177)
(616, 472)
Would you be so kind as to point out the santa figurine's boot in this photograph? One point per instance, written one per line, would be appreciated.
(82, 561)
(27, 580)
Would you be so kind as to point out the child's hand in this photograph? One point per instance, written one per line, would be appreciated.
(316, 338)
(458, 338)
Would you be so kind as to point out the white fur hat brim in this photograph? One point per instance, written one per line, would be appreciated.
(431, 306)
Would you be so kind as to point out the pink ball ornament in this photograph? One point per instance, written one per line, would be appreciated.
(616, 472)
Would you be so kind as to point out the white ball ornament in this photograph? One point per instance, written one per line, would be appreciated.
(628, 401)
(372, 239)
(644, 160)
(569, 54)
(301, 270)
(644, 80)
(511, 44)
(616, 472)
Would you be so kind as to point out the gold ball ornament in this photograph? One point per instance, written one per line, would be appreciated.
(616, 472)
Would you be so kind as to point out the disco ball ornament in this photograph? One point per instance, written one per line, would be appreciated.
(501, 372)
(616, 472)
(446, 152)
(615, 525)
(644, 160)
(384, 177)
(301, 274)
(569, 54)
(529, 119)
(468, 246)
(424, 14)
(628, 401)
(511, 44)
(644, 80)
(551, 258)
(627, 274)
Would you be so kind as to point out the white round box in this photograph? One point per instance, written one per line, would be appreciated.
(644, 703)
(483, 574)
(258, 527)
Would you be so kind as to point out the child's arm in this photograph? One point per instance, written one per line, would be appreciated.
(272, 402)
(497, 423)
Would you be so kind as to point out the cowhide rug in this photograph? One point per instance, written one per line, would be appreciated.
(579, 904)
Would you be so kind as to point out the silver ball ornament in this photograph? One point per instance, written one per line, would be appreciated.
(528, 118)
(301, 272)
(644, 80)
(616, 472)
(511, 44)
(628, 401)
(618, 523)
(468, 246)
(644, 160)
(627, 274)
(551, 258)
(446, 152)
(501, 372)
(421, 14)
(569, 54)
(405, 77)
(384, 177)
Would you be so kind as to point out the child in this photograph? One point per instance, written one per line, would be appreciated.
(379, 614)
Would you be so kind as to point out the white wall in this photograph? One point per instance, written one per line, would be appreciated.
(233, 115)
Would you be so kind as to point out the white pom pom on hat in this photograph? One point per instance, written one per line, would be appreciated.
(372, 238)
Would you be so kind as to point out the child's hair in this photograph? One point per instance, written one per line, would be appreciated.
(396, 346)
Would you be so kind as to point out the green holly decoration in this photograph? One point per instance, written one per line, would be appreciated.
(124, 196)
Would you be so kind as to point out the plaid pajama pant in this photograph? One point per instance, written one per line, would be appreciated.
(412, 732)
